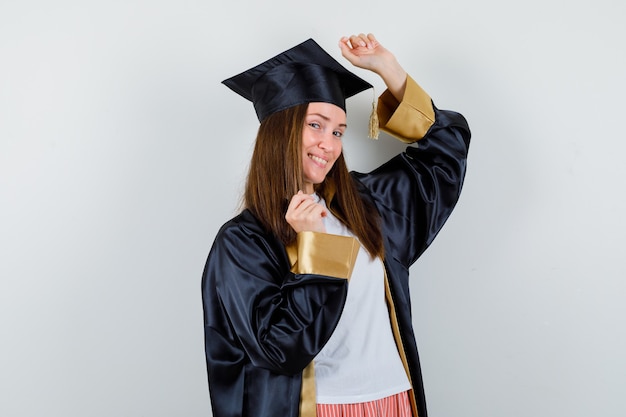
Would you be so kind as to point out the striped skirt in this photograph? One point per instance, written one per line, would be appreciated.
(397, 405)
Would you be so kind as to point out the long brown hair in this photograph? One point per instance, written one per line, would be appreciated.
(275, 175)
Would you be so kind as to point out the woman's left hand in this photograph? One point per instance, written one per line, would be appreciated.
(364, 51)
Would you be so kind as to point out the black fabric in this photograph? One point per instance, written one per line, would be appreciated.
(263, 324)
(303, 74)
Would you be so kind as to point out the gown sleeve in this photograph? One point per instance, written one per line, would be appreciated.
(264, 307)
(417, 190)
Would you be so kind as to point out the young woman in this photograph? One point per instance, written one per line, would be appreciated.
(305, 292)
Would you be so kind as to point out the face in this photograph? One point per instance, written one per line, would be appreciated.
(324, 126)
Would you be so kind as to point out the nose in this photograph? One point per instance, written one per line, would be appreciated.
(327, 142)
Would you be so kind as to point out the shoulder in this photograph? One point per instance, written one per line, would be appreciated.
(244, 222)
(244, 254)
(244, 236)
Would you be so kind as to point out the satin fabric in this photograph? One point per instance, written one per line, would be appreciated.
(339, 254)
(264, 324)
(303, 74)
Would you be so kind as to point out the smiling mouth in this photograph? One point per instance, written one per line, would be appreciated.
(318, 159)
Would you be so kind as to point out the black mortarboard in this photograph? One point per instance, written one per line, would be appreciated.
(303, 74)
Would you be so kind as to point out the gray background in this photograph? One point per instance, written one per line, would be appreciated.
(121, 154)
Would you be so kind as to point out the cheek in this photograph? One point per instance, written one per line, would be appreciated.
(308, 142)
(338, 150)
(336, 155)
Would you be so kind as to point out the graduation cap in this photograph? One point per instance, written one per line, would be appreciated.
(303, 74)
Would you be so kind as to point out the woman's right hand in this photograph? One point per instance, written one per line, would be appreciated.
(305, 215)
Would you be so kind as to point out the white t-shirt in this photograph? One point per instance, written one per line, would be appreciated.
(360, 362)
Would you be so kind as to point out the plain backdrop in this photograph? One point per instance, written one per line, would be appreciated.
(121, 155)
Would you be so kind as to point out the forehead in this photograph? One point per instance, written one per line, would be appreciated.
(327, 110)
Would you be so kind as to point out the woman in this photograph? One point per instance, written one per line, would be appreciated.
(305, 292)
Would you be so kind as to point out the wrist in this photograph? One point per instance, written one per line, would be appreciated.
(394, 77)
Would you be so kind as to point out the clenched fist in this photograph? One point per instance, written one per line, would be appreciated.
(305, 215)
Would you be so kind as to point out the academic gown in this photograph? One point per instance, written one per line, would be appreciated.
(269, 310)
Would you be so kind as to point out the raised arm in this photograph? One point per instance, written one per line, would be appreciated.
(364, 51)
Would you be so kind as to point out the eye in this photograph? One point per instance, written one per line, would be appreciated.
(338, 133)
(315, 125)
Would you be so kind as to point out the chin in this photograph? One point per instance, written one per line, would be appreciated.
(315, 180)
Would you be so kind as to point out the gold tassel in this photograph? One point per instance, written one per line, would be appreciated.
(373, 125)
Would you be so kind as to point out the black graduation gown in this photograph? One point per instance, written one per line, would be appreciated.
(264, 323)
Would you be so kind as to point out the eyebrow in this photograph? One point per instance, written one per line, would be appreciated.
(326, 118)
